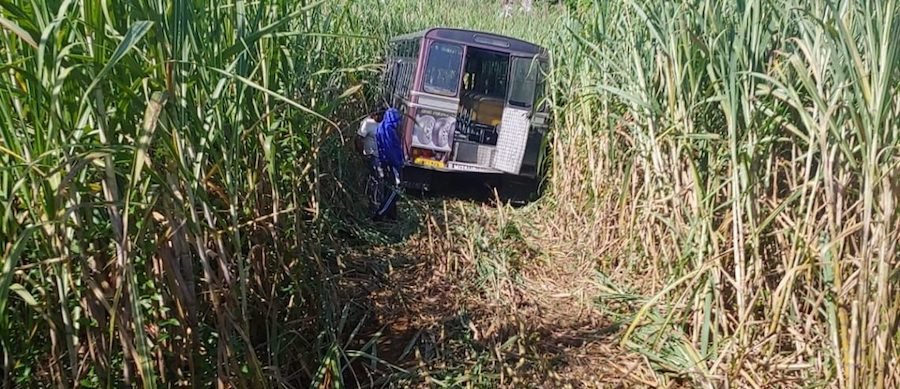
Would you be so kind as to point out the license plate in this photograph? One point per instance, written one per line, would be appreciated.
(459, 166)
(430, 162)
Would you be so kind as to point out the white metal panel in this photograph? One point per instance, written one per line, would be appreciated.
(428, 101)
(511, 140)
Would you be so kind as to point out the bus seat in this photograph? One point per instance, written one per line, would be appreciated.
(486, 110)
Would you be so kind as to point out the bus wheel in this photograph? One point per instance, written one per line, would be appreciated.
(517, 191)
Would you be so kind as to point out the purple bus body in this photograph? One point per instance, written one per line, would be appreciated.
(465, 39)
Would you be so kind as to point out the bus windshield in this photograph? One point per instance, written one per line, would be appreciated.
(443, 68)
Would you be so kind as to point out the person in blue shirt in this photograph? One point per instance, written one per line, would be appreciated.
(379, 142)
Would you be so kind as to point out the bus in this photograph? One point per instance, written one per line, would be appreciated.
(472, 103)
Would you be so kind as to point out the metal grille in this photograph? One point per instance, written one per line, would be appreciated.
(512, 139)
(467, 152)
(485, 155)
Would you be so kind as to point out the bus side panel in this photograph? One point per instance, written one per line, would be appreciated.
(409, 112)
(420, 65)
(407, 109)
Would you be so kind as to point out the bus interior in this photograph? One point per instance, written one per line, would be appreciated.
(482, 99)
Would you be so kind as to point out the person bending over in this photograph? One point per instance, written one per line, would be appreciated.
(377, 140)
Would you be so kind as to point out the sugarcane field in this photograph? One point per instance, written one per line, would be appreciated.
(450, 194)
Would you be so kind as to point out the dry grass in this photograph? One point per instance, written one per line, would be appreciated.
(733, 166)
(440, 313)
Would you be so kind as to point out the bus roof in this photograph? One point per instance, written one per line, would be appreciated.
(478, 38)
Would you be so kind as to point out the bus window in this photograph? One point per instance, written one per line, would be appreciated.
(486, 73)
(389, 81)
(522, 80)
(443, 68)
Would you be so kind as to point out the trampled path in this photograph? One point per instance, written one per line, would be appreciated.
(453, 299)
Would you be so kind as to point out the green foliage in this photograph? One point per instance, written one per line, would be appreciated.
(166, 172)
(148, 146)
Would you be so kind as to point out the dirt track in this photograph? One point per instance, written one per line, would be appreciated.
(430, 311)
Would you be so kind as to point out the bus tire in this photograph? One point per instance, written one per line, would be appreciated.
(518, 191)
